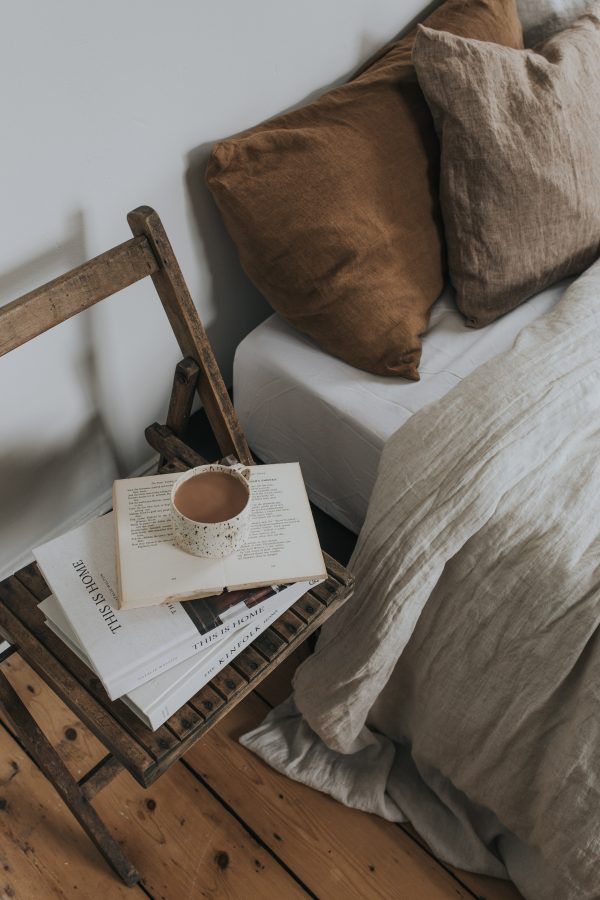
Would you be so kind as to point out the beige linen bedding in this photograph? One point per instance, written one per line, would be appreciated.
(460, 686)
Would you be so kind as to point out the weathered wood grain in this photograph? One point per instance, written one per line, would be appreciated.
(187, 844)
(47, 868)
(183, 839)
(58, 300)
(161, 438)
(72, 692)
(182, 396)
(336, 851)
(43, 851)
(164, 746)
(144, 753)
(191, 336)
(51, 765)
(100, 776)
(80, 750)
(86, 695)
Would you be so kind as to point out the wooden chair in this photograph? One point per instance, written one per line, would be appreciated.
(130, 745)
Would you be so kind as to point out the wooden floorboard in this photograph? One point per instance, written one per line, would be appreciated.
(221, 825)
(277, 688)
(43, 851)
(337, 852)
(79, 749)
(484, 887)
(184, 841)
(186, 844)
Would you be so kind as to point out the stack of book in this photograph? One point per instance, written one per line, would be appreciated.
(155, 623)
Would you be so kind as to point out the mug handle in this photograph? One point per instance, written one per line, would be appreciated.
(243, 469)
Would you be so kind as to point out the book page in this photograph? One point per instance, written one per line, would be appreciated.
(124, 646)
(282, 544)
(282, 539)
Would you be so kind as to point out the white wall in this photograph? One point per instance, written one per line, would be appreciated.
(105, 106)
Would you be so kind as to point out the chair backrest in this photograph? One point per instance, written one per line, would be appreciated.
(147, 253)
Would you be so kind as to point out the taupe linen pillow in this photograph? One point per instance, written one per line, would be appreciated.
(334, 209)
(542, 18)
(520, 164)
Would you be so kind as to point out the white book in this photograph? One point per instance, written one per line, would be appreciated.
(282, 544)
(158, 699)
(129, 647)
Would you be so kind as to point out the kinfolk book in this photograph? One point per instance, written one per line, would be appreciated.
(158, 699)
(129, 647)
(282, 544)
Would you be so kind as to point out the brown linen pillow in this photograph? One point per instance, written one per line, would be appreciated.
(333, 206)
(520, 164)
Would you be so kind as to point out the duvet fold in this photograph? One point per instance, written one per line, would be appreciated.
(460, 686)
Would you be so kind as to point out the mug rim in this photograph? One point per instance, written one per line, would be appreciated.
(199, 470)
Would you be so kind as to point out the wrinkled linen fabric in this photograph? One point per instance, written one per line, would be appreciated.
(334, 206)
(460, 686)
(520, 161)
(543, 18)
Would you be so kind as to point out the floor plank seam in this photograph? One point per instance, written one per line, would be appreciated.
(413, 838)
(103, 701)
(145, 890)
(4, 725)
(253, 834)
(420, 843)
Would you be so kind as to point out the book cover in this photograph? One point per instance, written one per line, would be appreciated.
(158, 699)
(129, 647)
(282, 545)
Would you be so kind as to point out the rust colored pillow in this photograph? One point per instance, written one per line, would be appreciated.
(520, 168)
(333, 207)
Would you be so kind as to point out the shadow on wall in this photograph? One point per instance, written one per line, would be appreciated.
(41, 483)
(238, 305)
(65, 254)
(40, 488)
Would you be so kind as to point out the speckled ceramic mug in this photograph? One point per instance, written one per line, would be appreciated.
(212, 539)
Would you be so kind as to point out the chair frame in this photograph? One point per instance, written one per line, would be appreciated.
(131, 746)
(148, 253)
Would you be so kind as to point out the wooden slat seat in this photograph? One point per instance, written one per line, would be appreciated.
(144, 753)
(130, 744)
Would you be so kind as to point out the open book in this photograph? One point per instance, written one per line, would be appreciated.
(130, 647)
(160, 697)
(282, 546)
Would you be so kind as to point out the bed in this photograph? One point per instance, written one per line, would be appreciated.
(297, 402)
(462, 678)
(458, 688)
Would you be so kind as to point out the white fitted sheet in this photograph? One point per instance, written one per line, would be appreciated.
(296, 402)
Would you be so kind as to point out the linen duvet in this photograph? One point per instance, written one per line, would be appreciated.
(463, 676)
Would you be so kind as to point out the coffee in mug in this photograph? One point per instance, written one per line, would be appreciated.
(211, 497)
(210, 509)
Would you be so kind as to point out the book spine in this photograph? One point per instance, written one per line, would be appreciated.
(212, 620)
(227, 651)
(198, 679)
(193, 644)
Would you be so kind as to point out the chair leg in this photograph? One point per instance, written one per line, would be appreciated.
(182, 396)
(51, 765)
